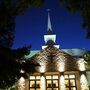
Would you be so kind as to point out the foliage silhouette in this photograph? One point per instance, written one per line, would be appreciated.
(11, 59)
(81, 6)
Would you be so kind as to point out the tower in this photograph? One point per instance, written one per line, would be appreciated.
(49, 38)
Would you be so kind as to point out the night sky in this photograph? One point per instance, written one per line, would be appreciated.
(31, 27)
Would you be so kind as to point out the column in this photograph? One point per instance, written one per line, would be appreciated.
(62, 81)
(42, 82)
(21, 83)
(83, 81)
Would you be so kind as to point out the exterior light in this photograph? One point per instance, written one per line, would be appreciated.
(42, 67)
(22, 71)
(61, 66)
(83, 82)
(81, 64)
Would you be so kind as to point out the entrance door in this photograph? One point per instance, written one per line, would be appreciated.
(52, 82)
(70, 82)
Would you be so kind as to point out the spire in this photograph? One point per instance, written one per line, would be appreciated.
(49, 27)
(50, 38)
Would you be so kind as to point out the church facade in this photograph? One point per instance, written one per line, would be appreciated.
(60, 69)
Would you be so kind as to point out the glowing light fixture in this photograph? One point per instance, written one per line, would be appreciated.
(42, 68)
(61, 66)
(49, 37)
(22, 71)
(81, 64)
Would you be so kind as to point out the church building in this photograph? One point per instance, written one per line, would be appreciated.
(60, 69)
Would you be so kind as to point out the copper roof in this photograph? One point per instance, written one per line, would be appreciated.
(52, 58)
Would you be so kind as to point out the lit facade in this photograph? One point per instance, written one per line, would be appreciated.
(60, 69)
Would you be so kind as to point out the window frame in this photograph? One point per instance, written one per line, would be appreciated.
(69, 79)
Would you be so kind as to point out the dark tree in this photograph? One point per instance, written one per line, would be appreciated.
(87, 56)
(9, 10)
(11, 60)
(11, 65)
(83, 7)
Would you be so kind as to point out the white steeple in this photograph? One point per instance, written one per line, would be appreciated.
(49, 27)
(50, 39)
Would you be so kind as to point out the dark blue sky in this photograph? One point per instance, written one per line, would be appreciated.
(31, 27)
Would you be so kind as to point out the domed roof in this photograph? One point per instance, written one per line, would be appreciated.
(52, 59)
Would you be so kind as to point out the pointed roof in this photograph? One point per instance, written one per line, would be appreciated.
(52, 58)
(49, 26)
(49, 38)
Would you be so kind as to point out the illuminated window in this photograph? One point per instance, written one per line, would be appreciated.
(71, 76)
(32, 77)
(67, 83)
(66, 76)
(37, 77)
(49, 89)
(67, 88)
(70, 82)
(32, 89)
(55, 77)
(73, 88)
(55, 83)
(53, 89)
(34, 82)
(52, 82)
(48, 77)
